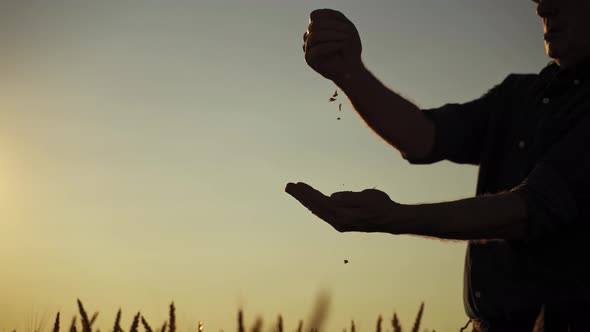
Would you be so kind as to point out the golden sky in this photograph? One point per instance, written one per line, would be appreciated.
(145, 146)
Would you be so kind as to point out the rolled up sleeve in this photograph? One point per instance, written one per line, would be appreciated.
(461, 129)
(556, 190)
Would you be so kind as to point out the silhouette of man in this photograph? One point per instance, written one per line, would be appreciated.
(530, 135)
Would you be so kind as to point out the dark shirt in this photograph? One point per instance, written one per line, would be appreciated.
(530, 135)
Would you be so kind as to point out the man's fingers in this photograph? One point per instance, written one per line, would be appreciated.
(327, 14)
(349, 199)
(302, 190)
(324, 50)
(328, 25)
(312, 199)
(328, 36)
(376, 194)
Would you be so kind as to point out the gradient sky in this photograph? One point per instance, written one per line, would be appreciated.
(145, 147)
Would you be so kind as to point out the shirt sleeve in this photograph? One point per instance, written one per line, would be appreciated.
(556, 190)
(461, 129)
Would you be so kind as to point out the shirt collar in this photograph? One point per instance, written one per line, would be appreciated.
(579, 71)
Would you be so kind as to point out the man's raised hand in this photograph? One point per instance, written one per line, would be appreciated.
(332, 44)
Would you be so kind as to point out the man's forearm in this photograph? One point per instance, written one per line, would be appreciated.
(397, 120)
(499, 216)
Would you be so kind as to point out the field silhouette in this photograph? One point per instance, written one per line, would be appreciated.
(83, 322)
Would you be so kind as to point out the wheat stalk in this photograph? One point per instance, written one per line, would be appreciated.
(73, 325)
(85, 321)
(280, 324)
(395, 323)
(135, 323)
(93, 319)
(163, 329)
(379, 320)
(257, 327)
(56, 324)
(117, 327)
(146, 325)
(172, 319)
(300, 326)
(418, 318)
(241, 321)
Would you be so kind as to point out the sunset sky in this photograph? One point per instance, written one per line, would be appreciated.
(145, 147)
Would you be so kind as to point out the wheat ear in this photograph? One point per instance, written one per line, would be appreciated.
(84, 317)
(135, 323)
(172, 319)
(73, 325)
(117, 327)
(280, 324)
(145, 324)
(395, 323)
(416, 327)
(241, 321)
(56, 324)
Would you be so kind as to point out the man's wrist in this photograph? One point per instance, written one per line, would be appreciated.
(402, 220)
(353, 74)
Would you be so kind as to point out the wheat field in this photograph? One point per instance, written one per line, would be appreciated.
(84, 322)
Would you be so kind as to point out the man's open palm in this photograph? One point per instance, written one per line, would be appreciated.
(370, 210)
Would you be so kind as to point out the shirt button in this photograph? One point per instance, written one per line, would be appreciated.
(545, 100)
(478, 294)
(576, 82)
(521, 144)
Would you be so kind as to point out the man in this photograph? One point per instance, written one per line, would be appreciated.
(529, 135)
